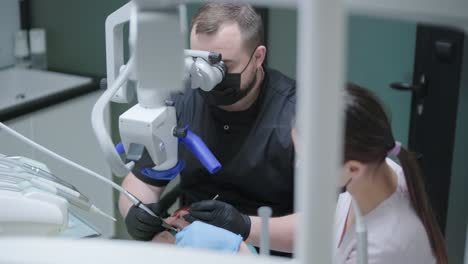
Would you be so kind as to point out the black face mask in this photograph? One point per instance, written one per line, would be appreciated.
(228, 91)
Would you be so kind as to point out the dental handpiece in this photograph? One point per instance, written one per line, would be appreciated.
(83, 204)
(15, 162)
(47, 175)
(37, 180)
(142, 206)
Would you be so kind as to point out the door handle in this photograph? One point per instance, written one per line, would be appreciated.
(419, 90)
(401, 86)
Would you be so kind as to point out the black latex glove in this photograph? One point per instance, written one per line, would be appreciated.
(222, 215)
(143, 226)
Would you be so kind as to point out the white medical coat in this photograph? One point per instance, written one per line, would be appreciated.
(395, 233)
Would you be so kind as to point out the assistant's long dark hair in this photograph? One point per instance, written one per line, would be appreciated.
(368, 139)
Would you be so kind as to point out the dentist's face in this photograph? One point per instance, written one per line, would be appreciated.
(229, 42)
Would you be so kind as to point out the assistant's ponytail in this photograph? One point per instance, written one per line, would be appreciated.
(420, 202)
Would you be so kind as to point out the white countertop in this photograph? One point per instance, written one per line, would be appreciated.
(18, 85)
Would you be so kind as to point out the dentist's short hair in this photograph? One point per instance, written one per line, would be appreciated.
(211, 16)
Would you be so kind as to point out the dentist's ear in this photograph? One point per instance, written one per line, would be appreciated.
(260, 55)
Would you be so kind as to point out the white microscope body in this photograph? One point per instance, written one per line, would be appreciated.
(155, 36)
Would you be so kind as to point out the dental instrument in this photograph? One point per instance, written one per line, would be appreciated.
(15, 167)
(47, 175)
(32, 167)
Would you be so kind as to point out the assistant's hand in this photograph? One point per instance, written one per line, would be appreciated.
(205, 236)
(141, 225)
(222, 215)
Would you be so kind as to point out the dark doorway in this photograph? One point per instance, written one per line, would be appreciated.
(434, 105)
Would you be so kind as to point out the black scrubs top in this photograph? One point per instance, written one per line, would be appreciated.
(254, 147)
